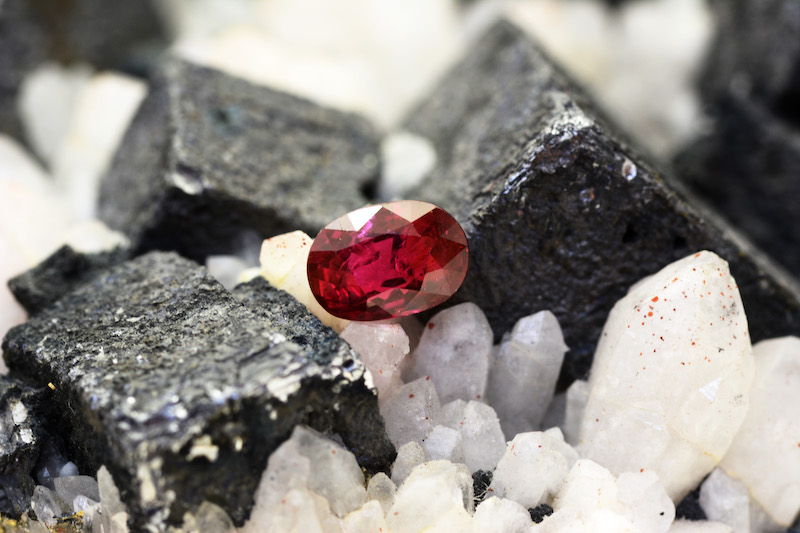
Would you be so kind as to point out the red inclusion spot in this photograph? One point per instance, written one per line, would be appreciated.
(655, 299)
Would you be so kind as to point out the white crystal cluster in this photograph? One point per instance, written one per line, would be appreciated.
(669, 390)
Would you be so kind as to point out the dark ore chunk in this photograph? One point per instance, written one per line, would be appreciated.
(689, 508)
(113, 35)
(210, 157)
(59, 274)
(182, 391)
(748, 166)
(481, 479)
(756, 53)
(540, 512)
(285, 315)
(22, 412)
(559, 214)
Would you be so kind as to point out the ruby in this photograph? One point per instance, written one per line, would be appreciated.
(387, 260)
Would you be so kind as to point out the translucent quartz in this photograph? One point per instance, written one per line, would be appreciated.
(432, 491)
(671, 376)
(533, 468)
(411, 411)
(382, 347)
(454, 351)
(481, 436)
(523, 372)
(765, 454)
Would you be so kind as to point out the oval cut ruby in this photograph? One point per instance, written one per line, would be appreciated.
(387, 260)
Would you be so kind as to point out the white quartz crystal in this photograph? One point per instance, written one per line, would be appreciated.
(283, 264)
(454, 351)
(765, 454)
(523, 372)
(433, 490)
(646, 502)
(670, 380)
(406, 158)
(103, 109)
(409, 456)
(298, 511)
(411, 411)
(482, 437)
(495, 514)
(311, 466)
(591, 499)
(556, 411)
(382, 489)
(444, 443)
(382, 347)
(533, 468)
(700, 526)
(368, 519)
(46, 102)
(724, 499)
(577, 396)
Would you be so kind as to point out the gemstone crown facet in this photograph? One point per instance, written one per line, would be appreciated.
(387, 260)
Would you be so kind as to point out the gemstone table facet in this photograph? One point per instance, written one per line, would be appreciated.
(387, 260)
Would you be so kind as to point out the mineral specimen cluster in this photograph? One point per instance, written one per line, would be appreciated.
(619, 358)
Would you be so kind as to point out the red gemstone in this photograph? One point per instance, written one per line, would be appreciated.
(387, 260)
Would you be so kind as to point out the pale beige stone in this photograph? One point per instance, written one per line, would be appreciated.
(283, 264)
(670, 380)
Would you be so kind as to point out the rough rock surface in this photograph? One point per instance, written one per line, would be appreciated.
(757, 51)
(106, 34)
(21, 434)
(748, 166)
(210, 157)
(524, 164)
(748, 163)
(59, 274)
(182, 391)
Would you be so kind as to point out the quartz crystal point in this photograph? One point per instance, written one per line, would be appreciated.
(671, 376)
(533, 468)
(482, 437)
(524, 371)
(411, 411)
(381, 347)
(765, 454)
(387, 260)
(432, 491)
(454, 351)
(591, 499)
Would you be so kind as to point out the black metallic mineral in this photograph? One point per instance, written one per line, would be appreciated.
(559, 213)
(211, 159)
(182, 391)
